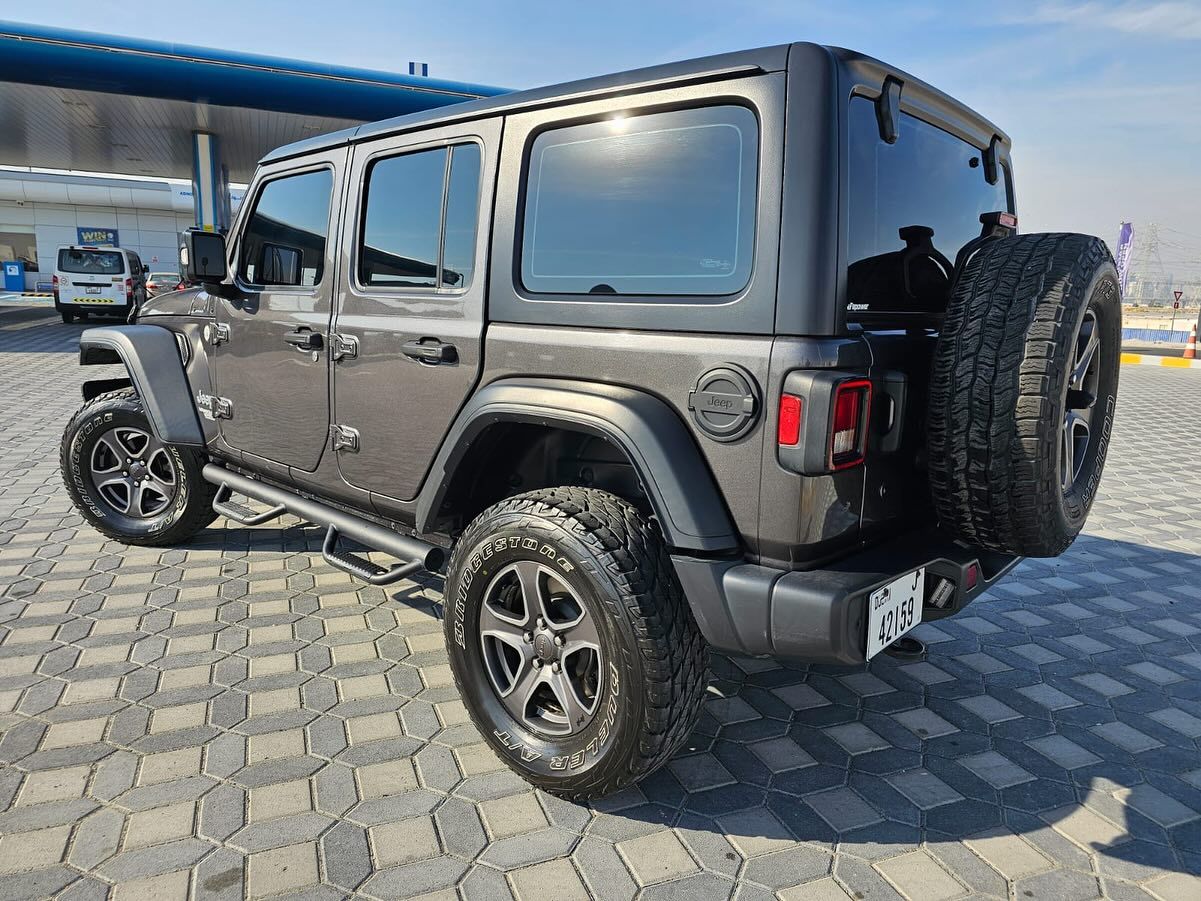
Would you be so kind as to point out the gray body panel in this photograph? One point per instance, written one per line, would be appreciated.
(401, 407)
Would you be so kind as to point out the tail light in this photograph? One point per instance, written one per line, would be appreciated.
(54, 286)
(129, 289)
(848, 432)
(788, 428)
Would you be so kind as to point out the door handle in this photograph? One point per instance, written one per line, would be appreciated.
(430, 351)
(304, 339)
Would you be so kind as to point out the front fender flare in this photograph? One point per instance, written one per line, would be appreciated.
(151, 357)
(676, 479)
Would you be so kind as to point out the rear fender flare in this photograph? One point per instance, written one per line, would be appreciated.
(678, 483)
(151, 357)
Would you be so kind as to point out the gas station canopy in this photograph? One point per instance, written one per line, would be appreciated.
(88, 102)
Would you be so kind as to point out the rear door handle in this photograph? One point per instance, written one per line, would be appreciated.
(305, 339)
(431, 351)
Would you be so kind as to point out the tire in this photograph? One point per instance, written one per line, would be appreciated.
(167, 512)
(651, 658)
(1032, 336)
(68, 318)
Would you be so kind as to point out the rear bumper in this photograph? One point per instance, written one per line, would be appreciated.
(99, 309)
(820, 615)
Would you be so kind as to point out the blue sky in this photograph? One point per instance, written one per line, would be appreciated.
(1101, 97)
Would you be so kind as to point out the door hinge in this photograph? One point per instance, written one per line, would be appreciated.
(217, 333)
(343, 437)
(213, 407)
(343, 346)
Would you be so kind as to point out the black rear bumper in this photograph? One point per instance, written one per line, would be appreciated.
(820, 615)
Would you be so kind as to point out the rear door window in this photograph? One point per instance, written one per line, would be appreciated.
(419, 219)
(91, 262)
(658, 204)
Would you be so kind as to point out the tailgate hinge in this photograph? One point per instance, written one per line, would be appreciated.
(343, 437)
(343, 346)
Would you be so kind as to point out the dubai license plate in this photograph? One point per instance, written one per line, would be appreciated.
(894, 609)
(92, 289)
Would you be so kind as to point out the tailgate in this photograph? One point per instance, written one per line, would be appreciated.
(896, 494)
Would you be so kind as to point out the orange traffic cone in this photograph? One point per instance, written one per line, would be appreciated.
(1190, 349)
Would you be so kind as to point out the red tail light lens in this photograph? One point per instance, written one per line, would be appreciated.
(848, 436)
(129, 289)
(54, 285)
(788, 430)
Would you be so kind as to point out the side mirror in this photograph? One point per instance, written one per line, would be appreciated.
(202, 257)
(145, 269)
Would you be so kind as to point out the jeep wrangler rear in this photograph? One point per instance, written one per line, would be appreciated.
(742, 353)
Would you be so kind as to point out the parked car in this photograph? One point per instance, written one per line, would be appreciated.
(107, 281)
(741, 353)
(162, 282)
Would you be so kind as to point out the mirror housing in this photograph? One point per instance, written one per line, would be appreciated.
(202, 257)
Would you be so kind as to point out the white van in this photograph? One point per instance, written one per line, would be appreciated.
(105, 280)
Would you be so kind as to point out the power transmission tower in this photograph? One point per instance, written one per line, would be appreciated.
(1155, 284)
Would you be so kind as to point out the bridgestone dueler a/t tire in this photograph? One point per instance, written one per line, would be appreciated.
(654, 656)
(999, 391)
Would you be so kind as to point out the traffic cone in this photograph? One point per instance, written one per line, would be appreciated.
(1190, 349)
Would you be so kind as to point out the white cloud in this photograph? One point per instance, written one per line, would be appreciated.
(1172, 20)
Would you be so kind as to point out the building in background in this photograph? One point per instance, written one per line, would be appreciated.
(42, 211)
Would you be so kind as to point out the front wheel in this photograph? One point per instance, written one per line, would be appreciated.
(571, 641)
(126, 482)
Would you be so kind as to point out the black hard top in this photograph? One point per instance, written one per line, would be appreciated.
(764, 59)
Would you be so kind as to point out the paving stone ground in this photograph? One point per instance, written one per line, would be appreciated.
(235, 718)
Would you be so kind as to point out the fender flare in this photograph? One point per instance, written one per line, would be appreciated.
(151, 357)
(682, 492)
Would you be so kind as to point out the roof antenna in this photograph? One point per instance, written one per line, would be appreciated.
(888, 109)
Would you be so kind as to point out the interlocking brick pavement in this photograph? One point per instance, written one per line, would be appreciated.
(235, 718)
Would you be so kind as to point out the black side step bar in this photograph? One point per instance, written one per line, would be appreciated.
(416, 554)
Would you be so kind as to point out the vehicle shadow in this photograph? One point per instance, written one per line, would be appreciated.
(1063, 707)
(1051, 730)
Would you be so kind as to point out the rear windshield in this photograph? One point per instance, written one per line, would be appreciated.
(91, 262)
(913, 205)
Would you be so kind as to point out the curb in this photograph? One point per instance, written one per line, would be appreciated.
(1152, 360)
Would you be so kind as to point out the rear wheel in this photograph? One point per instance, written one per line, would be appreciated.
(1023, 391)
(571, 642)
(126, 482)
(68, 318)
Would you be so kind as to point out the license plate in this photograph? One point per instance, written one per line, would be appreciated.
(92, 289)
(894, 609)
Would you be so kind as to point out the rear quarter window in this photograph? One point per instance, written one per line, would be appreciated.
(659, 204)
(912, 206)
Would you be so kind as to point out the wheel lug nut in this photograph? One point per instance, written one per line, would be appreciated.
(560, 640)
(527, 637)
(555, 666)
(541, 623)
(537, 663)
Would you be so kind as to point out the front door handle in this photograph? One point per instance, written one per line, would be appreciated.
(430, 351)
(304, 339)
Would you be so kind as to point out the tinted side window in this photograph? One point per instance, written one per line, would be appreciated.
(284, 240)
(462, 214)
(661, 204)
(913, 205)
(415, 215)
(400, 224)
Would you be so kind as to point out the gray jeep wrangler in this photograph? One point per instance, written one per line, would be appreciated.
(742, 353)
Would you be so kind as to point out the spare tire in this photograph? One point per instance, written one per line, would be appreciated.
(1022, 392)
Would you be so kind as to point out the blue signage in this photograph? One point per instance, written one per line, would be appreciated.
(100, 236)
